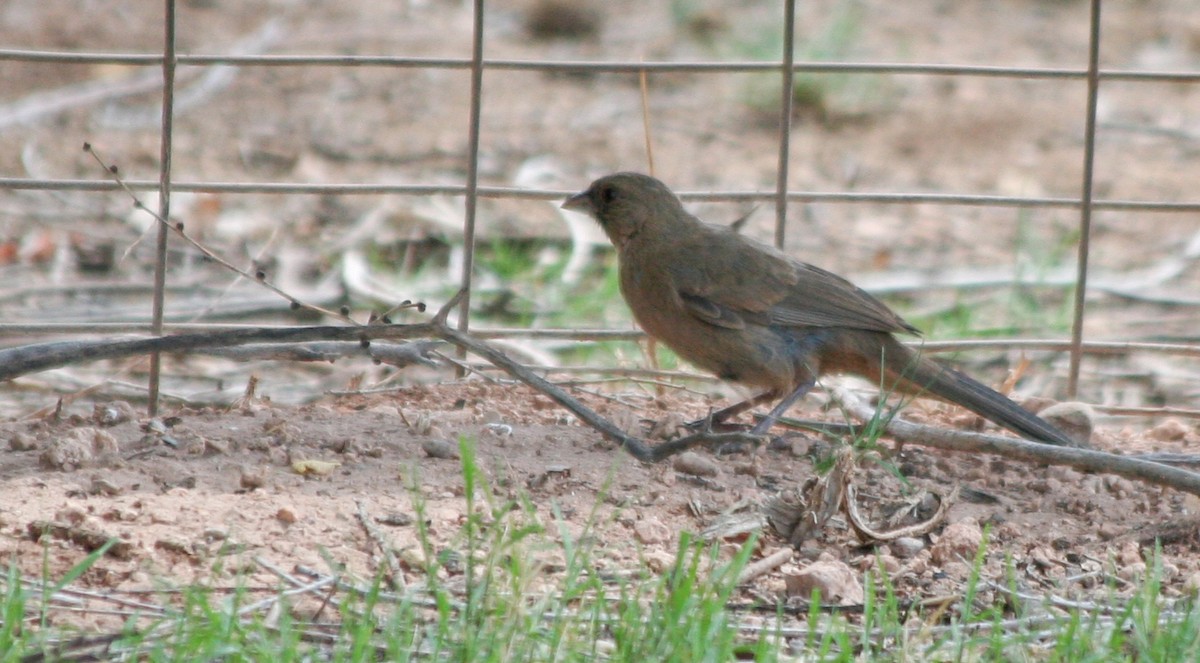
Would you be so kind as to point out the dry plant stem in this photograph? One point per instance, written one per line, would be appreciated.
(18, 361)
(867, 533)
(1018, 449)
(273, 600)
(1147, 411)
(644, 84)
(631, 374)
(637, 448)
(15, 362)
(395, 576)
(392, 354)
(766, 565)
(177, 228)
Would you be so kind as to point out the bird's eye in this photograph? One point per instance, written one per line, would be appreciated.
(608, 194)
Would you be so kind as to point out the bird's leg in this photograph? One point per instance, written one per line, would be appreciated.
(788, 401)
(719, 417)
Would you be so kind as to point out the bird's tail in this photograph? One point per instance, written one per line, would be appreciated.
(911, 372)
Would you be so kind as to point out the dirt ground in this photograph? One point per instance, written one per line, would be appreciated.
(216, 475)
(207, 495)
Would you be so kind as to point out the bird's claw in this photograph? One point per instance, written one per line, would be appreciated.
(711, 424)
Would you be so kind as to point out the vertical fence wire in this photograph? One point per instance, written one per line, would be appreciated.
(1085, 203)
(468, 266)
(787, 89)
(164, 198)
(472, 190)
(785, 120)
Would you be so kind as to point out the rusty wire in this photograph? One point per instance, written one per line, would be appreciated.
(477, 64)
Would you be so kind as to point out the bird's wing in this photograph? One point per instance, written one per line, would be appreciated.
(823, 299)
(745, 281)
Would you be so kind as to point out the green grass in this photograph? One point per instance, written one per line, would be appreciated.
(492, 609)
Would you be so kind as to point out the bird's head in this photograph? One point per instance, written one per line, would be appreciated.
(625, 204)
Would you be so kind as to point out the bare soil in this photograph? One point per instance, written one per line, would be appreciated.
(217, 489)
(221, 479)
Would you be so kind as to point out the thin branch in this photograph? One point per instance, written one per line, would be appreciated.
(18, 361)
(178, 228)
(1018, 449)
(395, 575)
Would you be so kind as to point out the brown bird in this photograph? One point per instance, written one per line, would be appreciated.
(751, 314)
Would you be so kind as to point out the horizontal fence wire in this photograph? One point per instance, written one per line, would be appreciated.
(597, 66)
(479, 63)
(962, 345)
(50, 184)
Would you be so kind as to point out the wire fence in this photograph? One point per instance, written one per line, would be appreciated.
(479, 66)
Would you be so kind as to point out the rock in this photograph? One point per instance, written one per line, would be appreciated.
(836, 582)
(959, 540)
(111, 414)
(659, 561)
(888, 563)
(1077, 420)
(667, 427)
(72, 515)
(78, 447)
(214, 447)
(252, 478)
(1132, 572)
(693, 463)
(22, 442)
(102, 486)
(651, 531)
(907, 546)
(1130, 553)
(413, 558)
(395, 519)
(1191, 586)
(440, 449)
(1171, 430)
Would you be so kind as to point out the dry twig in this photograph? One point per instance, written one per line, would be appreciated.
(18, 361)
(395, 576)
(1034, 452)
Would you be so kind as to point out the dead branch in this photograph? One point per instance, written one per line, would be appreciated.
(395, 576)
(392, 354)
(1032, 452)
(18, 361)
(869, 534)
(762, 567)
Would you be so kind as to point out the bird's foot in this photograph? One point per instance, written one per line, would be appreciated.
(776, 443)
(714, 424)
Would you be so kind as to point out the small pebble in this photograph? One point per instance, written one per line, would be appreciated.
(690, 462)
(959, 540)
(22, 442)
(1077, 420)
(651, 530)
(440, 449)
(252, 478)
(907, 546)
(659, 561)
(837, 583)
(1171, 430)
(102, 486)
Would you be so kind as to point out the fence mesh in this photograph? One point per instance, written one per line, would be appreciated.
(537, 118)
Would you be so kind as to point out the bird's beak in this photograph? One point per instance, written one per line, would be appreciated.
(580, 202)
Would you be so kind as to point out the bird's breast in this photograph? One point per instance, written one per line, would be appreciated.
(753, 355)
